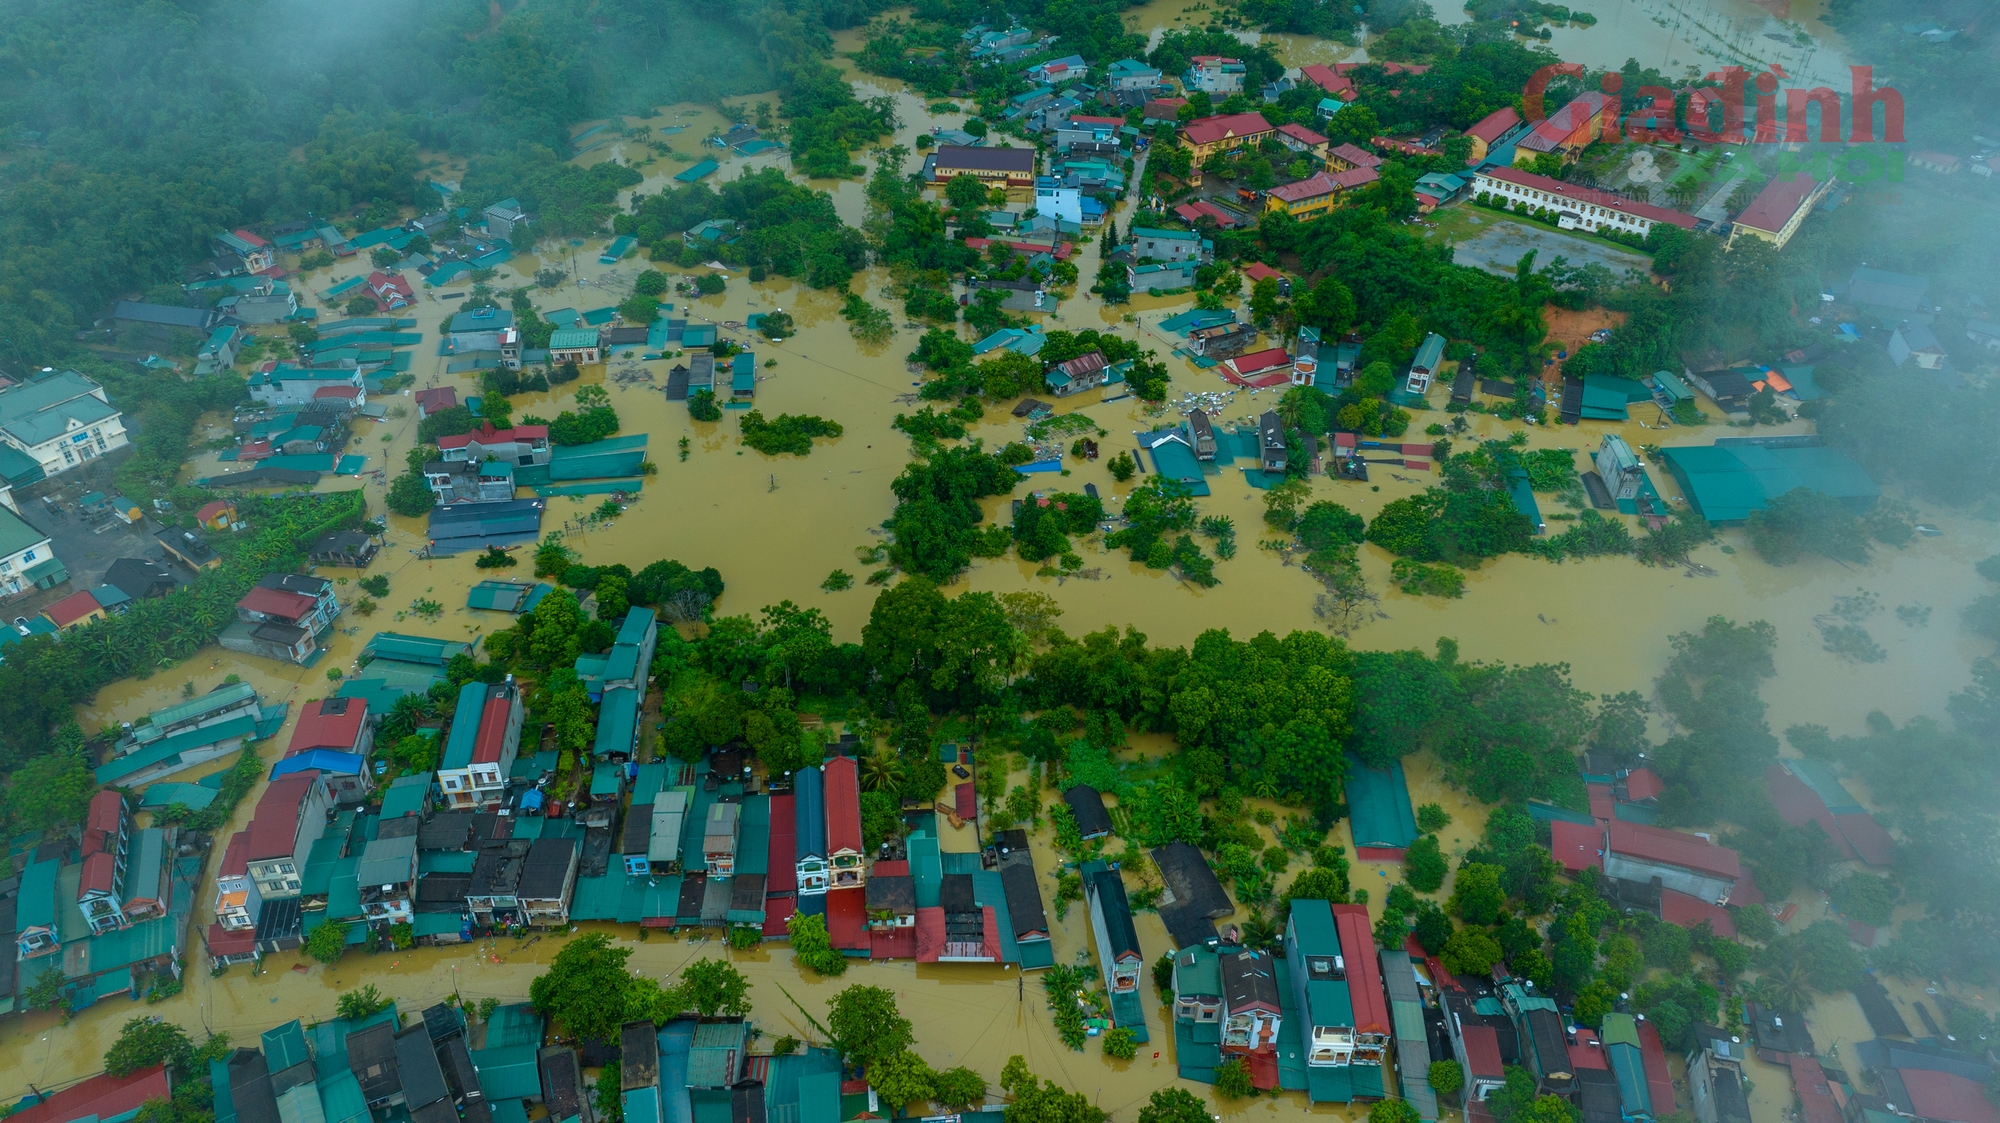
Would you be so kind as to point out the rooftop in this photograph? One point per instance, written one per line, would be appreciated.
(1777, 203)
(1673, 848)
(1589, 196)
(1212, 130)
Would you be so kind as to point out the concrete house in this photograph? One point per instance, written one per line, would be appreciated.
(1082, 373)
(1715, 1077)
(1319, 977)
(1201, 435)
(1684, 863)
(1568, 130)
(1575, 207)
(1424, 367)
(1251, 1008)
(1271, 442)
(1008, 167)
(479, 753)
(1131, 74)
(256, 253)
(1779, 209)
(61, 420)
(1309, 198)
(387, 873)
(844, 855)
(286, 617)
(1911, 340)
(1215, 75)
(809, 823)
(502, 217)
(27, 558)
(1118, 954)
(719, 836)
(236, 899)
(486, 329)
(522, 445)
(290, 817)
(1618, 466)
(581, 346)
(1223, 133)
(297, 386)
(1149, 244)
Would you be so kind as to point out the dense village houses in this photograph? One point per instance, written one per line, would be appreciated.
(486, 330)
(387, 873)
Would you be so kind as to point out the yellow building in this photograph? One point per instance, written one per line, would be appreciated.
(1309, 198)
(1211, 136)
(1778, 211)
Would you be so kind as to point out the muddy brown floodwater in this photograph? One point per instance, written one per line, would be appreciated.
(777, 526)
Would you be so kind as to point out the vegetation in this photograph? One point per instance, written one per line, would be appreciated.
(786, 433)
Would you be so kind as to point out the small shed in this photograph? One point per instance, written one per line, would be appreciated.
(216, 515)
(1087, 806)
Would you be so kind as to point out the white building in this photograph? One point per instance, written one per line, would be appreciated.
(1576, 208)
(62, 420)
(26, 557)
(1058, 201)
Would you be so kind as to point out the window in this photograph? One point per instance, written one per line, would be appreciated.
(29, 556)
(284, 867)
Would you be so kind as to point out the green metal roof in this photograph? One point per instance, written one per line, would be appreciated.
(572, 339)
(406, 795)
(218, 699)
(340, 1099)
(1726, 484)
(445, 861)
(516, 1024)
(148, 859)
(1620, 1029)
(16, 535)
(1379, 812)
(285, 1046)
(39, 412)
(343, 892)
(167, 793)
(36, 904)
(464, 726)
(170, 748)
(1332, 1003)
(617, 722)
(508, 1072)
(413, 649)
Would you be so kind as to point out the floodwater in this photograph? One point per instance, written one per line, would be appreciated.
(777, 526)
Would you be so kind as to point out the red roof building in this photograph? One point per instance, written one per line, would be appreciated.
(1199, 209)
(101, 1097)
(1489, 129)
(219, 513)
(330, 723)
(251, 238)
(1061, 252)
(1224, 132)
(280, 604)
(74, 611)
(1578, 846)
(1587, 1051)
(1584, 207)
(391, 290)
(1257, 271)
(1298, 138)
(1364, 973)
(1659, 1082)
(1327, 79)
(1602, 807)
(1347, 157)
(105, 821)
(1686, 911)
(1778, 211)
(1572, 127)
(1817, 1105)
(1643, 783)
(431, 401)
(1482, 1054)
(843, 822)
(783, 847)
(1657, 844)
(274, 826)
(494, 726)
(1406, 147)
(345, 396)
(1933, 1095)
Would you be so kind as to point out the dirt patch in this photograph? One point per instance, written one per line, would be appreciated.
(1572, 329)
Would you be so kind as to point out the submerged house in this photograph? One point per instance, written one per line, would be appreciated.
(1087, 807)
(1118, 954)
(484, 740)
(1251, 1012)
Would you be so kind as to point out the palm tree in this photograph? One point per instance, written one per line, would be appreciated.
(1264, 788)
(1784, 987)
(881, 771)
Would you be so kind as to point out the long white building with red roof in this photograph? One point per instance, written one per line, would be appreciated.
(1576, 208)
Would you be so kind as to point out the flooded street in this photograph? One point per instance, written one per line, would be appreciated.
(776, 526)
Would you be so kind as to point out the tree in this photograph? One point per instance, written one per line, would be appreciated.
(1392, 1111)
(51, 792)
(409, 495)
(1476, 897)
(965, 193)
(1232, 1079)
(1431, 817)
(327, 941)
(585, 988)
(1049, 1102)
(866, 1024)
(144, 1043)
(714, 986)
(1550, 1109)
(902, 1078)
(1593, 1002)
(1174, 1105)
(1803, 521)
(1447, 1078)
(610, 1094)
(1120, 1044)
(1424, 865)
(1471, 951)
(958, 1087)
(354, 1005)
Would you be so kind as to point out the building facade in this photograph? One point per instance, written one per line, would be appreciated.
(62, 420)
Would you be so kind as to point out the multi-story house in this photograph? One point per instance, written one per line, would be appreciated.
(719, 837)
(61, 420)
(387, 873)
(1215, 75)
(236, 899)
(290, 817)
(286, 617)
(106, 838)
(523, 445)
(1251, 1008)
(1319, 980)
(809, 820)
(844, 855)
(480, 749)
